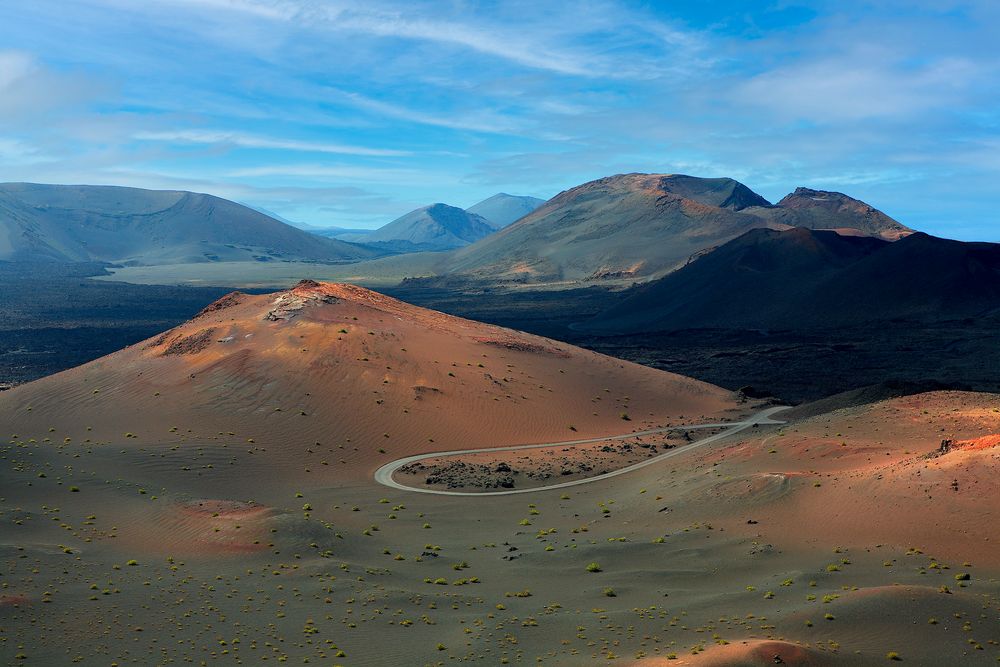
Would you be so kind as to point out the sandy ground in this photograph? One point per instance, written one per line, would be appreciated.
(151, 517)
(382, 272)
(538, 467)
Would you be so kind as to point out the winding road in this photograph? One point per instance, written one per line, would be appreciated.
(384, 474)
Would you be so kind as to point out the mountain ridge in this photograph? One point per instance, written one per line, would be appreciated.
(640, 226)
(136, 226)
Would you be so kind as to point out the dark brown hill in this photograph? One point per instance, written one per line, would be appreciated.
(803, 278)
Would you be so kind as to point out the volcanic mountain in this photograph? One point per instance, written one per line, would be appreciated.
(502, 209)
(434, 227)
(803, 278)
(646, 225)
(620, 226)
(339, 363)
(146, 227)
(819, 209)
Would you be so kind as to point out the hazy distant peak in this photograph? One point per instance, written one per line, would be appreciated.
(502, 209)
(433, 227)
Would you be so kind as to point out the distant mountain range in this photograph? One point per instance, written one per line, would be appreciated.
(440, 227)
(636, 226)
(615, 230)
(338, 232)
(801, 278)
(144, 227)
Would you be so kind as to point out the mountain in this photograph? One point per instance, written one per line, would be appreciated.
(338, 363)
(503, 209)
(641, 226)
(147, 227)
(434, 227)
(626, 226)
(802, 278)
(819, 209)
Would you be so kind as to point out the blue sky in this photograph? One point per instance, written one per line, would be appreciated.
(352, 113)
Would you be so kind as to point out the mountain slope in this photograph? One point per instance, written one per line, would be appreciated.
(434, 227)
(502, 209)
(631, 225)
(803, 278)
(819, 209)
(148, 227)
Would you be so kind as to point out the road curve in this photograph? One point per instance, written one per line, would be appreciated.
(384, 474)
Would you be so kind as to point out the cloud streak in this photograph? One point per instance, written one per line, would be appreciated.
(236, 139)
(540, 39)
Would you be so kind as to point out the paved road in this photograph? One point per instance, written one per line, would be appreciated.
(384, 474)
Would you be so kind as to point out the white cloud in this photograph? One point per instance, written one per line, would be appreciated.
(14, 66)
(27, 89)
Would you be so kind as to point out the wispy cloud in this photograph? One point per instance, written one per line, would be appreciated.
(224, 138)
(503, 43)
(19, 152)
(338, 172)
(554, 38)
(865, 83)
(483, 122)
